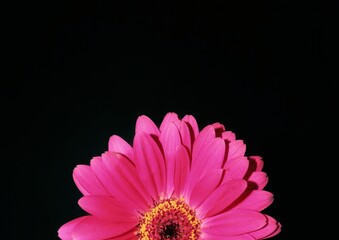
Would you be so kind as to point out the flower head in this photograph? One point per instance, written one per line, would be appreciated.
(175, 182)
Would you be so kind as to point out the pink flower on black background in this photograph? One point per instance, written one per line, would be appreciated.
(175, 182)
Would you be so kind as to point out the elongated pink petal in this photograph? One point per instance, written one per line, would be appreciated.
(204, 188)
(258, 162)
(218, 129)
(187, 137)
(182, 167)
(108, 208)
(271, 229)
(208, 236)
(66, 230)
(275, 232)
(210, 158)
(192, 122)
(236, 149)
(146, 125)
(150, 164)
(232, 223)
(125, 173)
(115, 185)
(95, 228)
(169, 118)
(222, 197)
(87, 182)
(260, 179)
(125, 236)
(257, 200)
(119, 145)
(206, 136)
(171, 140)
(236, 169)
(228, 135)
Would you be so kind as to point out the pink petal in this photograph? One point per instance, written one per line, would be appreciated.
(117, 185)
(169, 118)
(204, 187)
(146, 125)
(257, 200)
(210, 158)
(257, 161)
(170, 139)
(206, 136)
(182, 168)
(95, 228)
(66, 230)
(192, 122)
(150, 164)
(218, 128)
(236, 149)
(236, 169)
(222, 197)
(119, 145)
(87, 182)
(187, 137)
(208, 236)
(125, 236)
(108, 208)
(229, 136)
(275, 232)
(271, 229)
(126, 175)
(260, 179)
(234, 223)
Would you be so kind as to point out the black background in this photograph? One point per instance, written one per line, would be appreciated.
(81, 71)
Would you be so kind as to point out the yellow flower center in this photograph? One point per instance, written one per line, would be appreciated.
(170, 219)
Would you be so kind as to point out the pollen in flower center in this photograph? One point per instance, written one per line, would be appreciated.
(170, 219)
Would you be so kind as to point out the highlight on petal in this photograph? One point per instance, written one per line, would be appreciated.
(174, 181)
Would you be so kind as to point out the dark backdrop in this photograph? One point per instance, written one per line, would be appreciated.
(81, 71)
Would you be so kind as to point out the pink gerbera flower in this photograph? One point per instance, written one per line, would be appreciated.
(175, 182)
